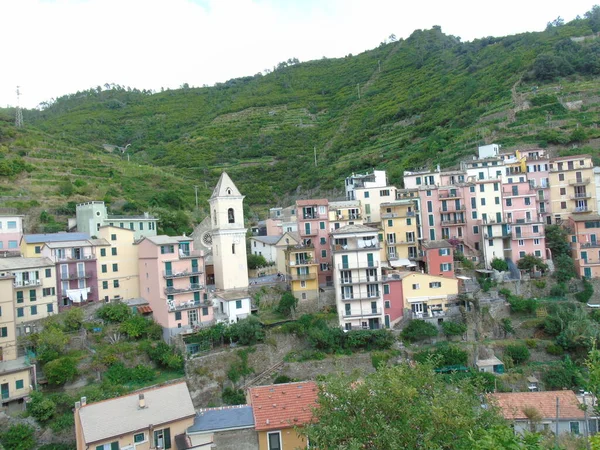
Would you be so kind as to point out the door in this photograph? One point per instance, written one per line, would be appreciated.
(373, 324)
(370, 260)
(584, 256)
(345, 262)
(593, 239)
(307, 228)
(387, 321)
(168, 268)
(587, 272)
(194, 265)
(4, 391)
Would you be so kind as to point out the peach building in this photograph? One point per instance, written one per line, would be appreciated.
(572, 187)
(11, 231)
(313, 228)
(585, 244)
(172, 280)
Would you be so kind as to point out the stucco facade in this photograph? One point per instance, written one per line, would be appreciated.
(400, 233)
(571, 187)
(313, 228)
(428, 295)
(302, 272)
(11, 231)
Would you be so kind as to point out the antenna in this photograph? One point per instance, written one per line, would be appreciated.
(18, 112)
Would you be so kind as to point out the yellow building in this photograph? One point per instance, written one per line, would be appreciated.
(15, 372)
(150, 419)
(342, 213)
(289, 238)
(426, 295)
(115, 246)
(301, 272)
(572, 187)
(400, 232)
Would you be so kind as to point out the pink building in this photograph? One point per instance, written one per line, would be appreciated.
(11, 231)
(313, 228)
(525, 224)
(537, 174)
(393, 302)
(172, 280)
(439, 258)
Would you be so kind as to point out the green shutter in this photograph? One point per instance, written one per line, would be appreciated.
(114, 445)
(167, 435)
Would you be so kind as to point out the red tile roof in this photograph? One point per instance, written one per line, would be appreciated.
(144, 309)
(512, 404)
(283, 405)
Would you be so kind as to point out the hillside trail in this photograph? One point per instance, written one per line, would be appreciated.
(344, 123)
(518, 100)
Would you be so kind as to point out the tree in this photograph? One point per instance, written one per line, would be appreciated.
(557, 240)
(73, 319)
(593, 365)
(247, 331)
(499, 264)
(287, 304)
(61, 370)
(256, 261)
(41, 407)
(418, 330)
(564, 268)
(18, 437)
(453, 328)
(51, 344)
(518, 352)
(530, 262)
(432, 414)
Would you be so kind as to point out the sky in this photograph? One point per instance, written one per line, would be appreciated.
(56, 47)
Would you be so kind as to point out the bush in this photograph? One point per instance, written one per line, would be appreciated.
(281, 379)
(558, 290)
(256, 261)
(520, 304)
(41, 407)
(418, 330)
(565, 376)
(564, 268)
(18, 437)
(531, 343)
(73, 319)
(507, 325)
(380, 358)
(114, 312)
(531, 262)
(247, 331)
(135, 326)
(519, 353)
(540, 284)
(443, 355)
(499, 264)
(233, 396)
(240, 368)
(555, 350)
(164, 355)
(287, 304)
(51, 343)
(453, 328)
(61, 370)
(587, 293)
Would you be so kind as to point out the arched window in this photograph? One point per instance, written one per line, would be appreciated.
(230, 215)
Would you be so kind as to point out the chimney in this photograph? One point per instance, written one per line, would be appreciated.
(141, 401)
(83, 401)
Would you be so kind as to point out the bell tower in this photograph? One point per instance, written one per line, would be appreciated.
(228, 235)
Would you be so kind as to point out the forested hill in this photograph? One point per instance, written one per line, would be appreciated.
(429, 99)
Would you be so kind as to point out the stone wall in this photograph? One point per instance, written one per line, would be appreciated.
(236, 440)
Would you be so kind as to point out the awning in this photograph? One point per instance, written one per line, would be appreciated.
(402, 262)
(143, 309)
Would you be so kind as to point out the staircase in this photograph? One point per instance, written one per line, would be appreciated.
(263, 375)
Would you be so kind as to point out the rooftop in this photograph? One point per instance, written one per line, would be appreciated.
(587, 218)
(69, 244)
(100, 242)
(283, 405)
(164, 239)
(14, 365)
(269, 240)
(54, 237)
(122, 415)
(512, 404)
(24, 263)
(437, 244)
(225, 188)
(355, 229)
(145, 216)
(231, 294)
(224, 418)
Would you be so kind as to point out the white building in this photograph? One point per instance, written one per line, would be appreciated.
(265, 246)
(93, 215)
(357, 277)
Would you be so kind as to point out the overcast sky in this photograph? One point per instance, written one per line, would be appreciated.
(55, 47)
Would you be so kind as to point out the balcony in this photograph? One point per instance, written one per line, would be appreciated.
(313, 215)
(514, 220)
(183, 274)
(529, 235)
(581, 209)
(352, 246)
(503, 236)
(184, 254)
(191, 288)
(191, 304)
(75, 276)
(373, 312)
(451, 209)
(359, 265)
(24, 283)
(429, 314)
(589, 261)
(76, 257)
(404, 242)
(521, 193)
(303, 277)
(448, 194)
(453, 222)
(353, 216)
(579, 182)
(590, 244)
(580, 195)
(358, 280)
(390, 215)
(311, 232)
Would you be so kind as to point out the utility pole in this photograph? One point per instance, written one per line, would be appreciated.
(196, 191)
(18, 112)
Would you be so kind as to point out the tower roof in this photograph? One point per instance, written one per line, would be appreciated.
(225, 188)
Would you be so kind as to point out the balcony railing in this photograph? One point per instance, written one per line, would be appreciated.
(579, 181)
(313, 215)
(580, 195)
(359, 265)
(75, 258)
(389, 215)
(354, 246)
(183, 254)
(302, 262)
(75, 276)
(23, 283)
(429, 314)
(303, 277)
(311, 232)
(590, 244)
(589, 261)
(182, 274)
(581, 209)
(191, 288)
(502, 235)
(451, 209)
(528, 235)
(359, 280)
(189, 305)
(448, 194)
(453, 222)
(373, 312)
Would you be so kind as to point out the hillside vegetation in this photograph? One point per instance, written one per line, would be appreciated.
(426, 100)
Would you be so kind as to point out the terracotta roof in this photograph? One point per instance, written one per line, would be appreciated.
(283, 405)
(513, 403)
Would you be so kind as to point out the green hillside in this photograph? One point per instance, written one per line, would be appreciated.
(426, 100)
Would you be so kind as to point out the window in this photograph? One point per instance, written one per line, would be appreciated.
(19, 296)
(497, 200)
(323, 253)
(303, 284)
(13, 244)
(50, 308)
(177, 315)
(113, 237)
(521, 254)
(367, 209)
(141, 226)
(386, 288)
(104, 268)
(527, 201)
(19, 384)
(105, 285)
(116, 283)
(323, 241)
(415, 287)
(366, 195)
(20, 312)
(435, 285)
(538, 253)
(230, 216)
(475, 229)
(521, 242)
(574, 427)
(428, 193)
(431, 221)
(446, 267)
(408, 221)
(418, 181)
(233, 250)
(113, 251)
(12, 225)
(384, 193)
(165, 249)
(102, 252)
(563, 205)
(321, 225)
(46, 292)
(496, 186)
(482, 188)
(238, 304)
(561, 177)
(444, 251)
(483, 202)
(474, 214)
(563, 191)
(536, 242)
(471, 188)
(38, 249)
(32, 295)
(324, 266)
(34, 310)
(162, 438)
(3, 332)
(387, 304)
(48, 273)
(509, 202)
(274, 440)
(140, 437)
(429, 206)
(115, 267)
(473, 202)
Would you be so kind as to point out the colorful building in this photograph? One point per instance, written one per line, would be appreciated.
(438, 257)
(428, 296)
(357, 279)
(301, 271)
(11, 232)
(172, 280)
(585, 244)
(31, 244)
(313, 228)
(572, 191)
(93, 215)
(345, 212)
(393, 303)
(399, 233)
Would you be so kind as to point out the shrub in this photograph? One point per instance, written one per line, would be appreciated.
(506, 292)
(531, 262)
(18, 437)
(164, 355)
(41, 407)
(114, 312)
(418, 330)
(453, 328)
(443, 355)
(233, 396)
(280, 379)
(587, 293)
(499, 264)
(520, 304)
(256, 261)
(558, 290)
(287, 304)
(507, 325)
(564, 268)
(564, 376)
(380, 358)
(555, 350)
(240, 368)
(531, 343)
(519, 353)
(51, 343)
(247, 331)
(73, 319)
(135, 326)
(540, 284)
(61, 370)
